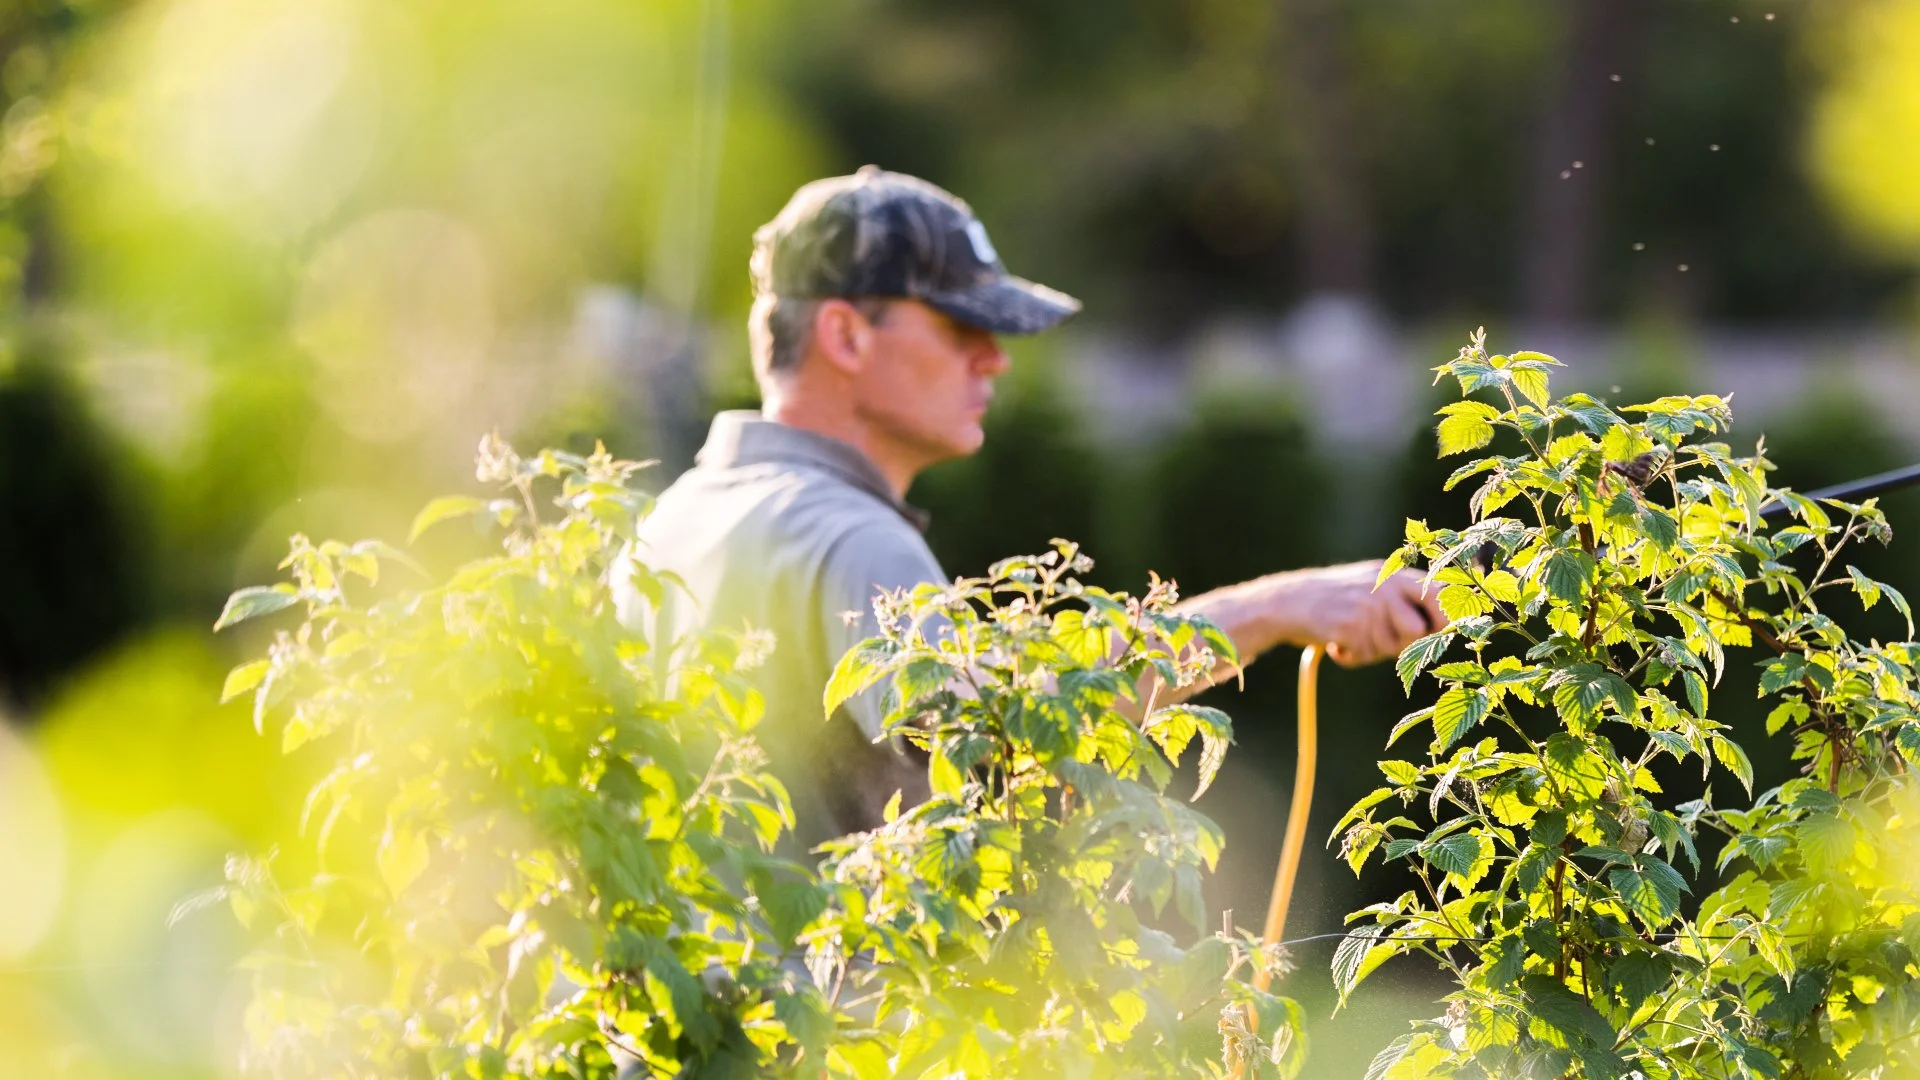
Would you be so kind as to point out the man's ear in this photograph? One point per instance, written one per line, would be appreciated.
(843, 335)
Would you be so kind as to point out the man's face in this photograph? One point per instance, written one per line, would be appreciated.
(927, 381)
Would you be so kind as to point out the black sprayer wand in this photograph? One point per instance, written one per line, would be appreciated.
(1855, 490)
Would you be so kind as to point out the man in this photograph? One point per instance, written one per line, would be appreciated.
(877, 300)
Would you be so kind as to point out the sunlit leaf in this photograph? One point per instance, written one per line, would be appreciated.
(255, 601)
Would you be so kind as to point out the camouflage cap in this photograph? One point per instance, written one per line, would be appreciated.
(886, 234)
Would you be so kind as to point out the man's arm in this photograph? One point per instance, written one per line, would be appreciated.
(1334, 606)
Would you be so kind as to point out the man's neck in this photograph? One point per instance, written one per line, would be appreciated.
(848, 429)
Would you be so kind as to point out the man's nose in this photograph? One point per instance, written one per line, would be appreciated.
(990, 359)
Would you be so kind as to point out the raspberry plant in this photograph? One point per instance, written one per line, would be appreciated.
(1010, 917)
(1611, 571)
(548, 841)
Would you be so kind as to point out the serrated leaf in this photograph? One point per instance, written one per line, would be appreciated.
(1456, 854)
(1783, 671)
(862, 666)
(442, 509)
(1384, 1061)
(1359, 954)
(790, 904)
(1638, 976)
(1565, 1011)
(1213, 753)
(1509, 962)
(255, 601)
(1729, 754)
(243, 678)
(1391, 565)
(1574, 766)
(1502, 586)
(1659, 526)
(1400, 773)
(1532, 384)
(1623, 443)
(1566, 574)
(1865, 588)
(1826, 841)
(1673, 837)
(1580, 689)
(1788, 712)
(1909, 741)
(1456, 713)
(1420, 654)
(1651, 891)
(1463, 432)
(1899, 603)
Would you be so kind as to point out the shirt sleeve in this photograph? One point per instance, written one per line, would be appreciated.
(858, 568)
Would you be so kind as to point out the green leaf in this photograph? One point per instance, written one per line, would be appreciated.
(1729, 754)
(862, 666)
(1400, 773)
(1502, 586)
(244, 678)
(255, 601)
(1789, 712)
(1909, 741)
(1638, 976)
(1574, 766)
(1384, 1061)
(1532, 384)
(1421, 654)
(1461, 433)
(1580, 689)
(1623, 443)
(1457, 854)
(1899, 603)
(442, 509)
(1673, 837)
(683, 1002)
(1457, 711)
(1549, 828)
(1865, 587)
(1359, 954)
(1532, 867)
(1391, 565)
(943, 777)
(1826, 841)
(1783, 671)
(1651, 891)
(1213, 753)
(1659, 526)
(402, 857)
(1566, 573)
(1508, 963)
(790, 903)
(1564, 1011)
(1696, 692)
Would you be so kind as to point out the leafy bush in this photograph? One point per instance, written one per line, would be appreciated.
(1592, 628)
(1016, 904)
(547, 837)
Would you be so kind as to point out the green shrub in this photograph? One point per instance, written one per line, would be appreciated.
(545, 836)
(1555, 872)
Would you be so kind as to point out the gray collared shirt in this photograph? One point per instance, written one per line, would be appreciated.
(787, 530)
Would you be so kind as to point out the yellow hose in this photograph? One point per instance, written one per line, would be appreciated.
(1296, 835)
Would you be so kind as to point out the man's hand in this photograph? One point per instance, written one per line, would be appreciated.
(1337, 606)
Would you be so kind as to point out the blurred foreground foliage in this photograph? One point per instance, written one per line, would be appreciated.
(546, 842)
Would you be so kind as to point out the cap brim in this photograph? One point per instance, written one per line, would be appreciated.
(1007, 305)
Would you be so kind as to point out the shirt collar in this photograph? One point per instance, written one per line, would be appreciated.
(743, 437)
